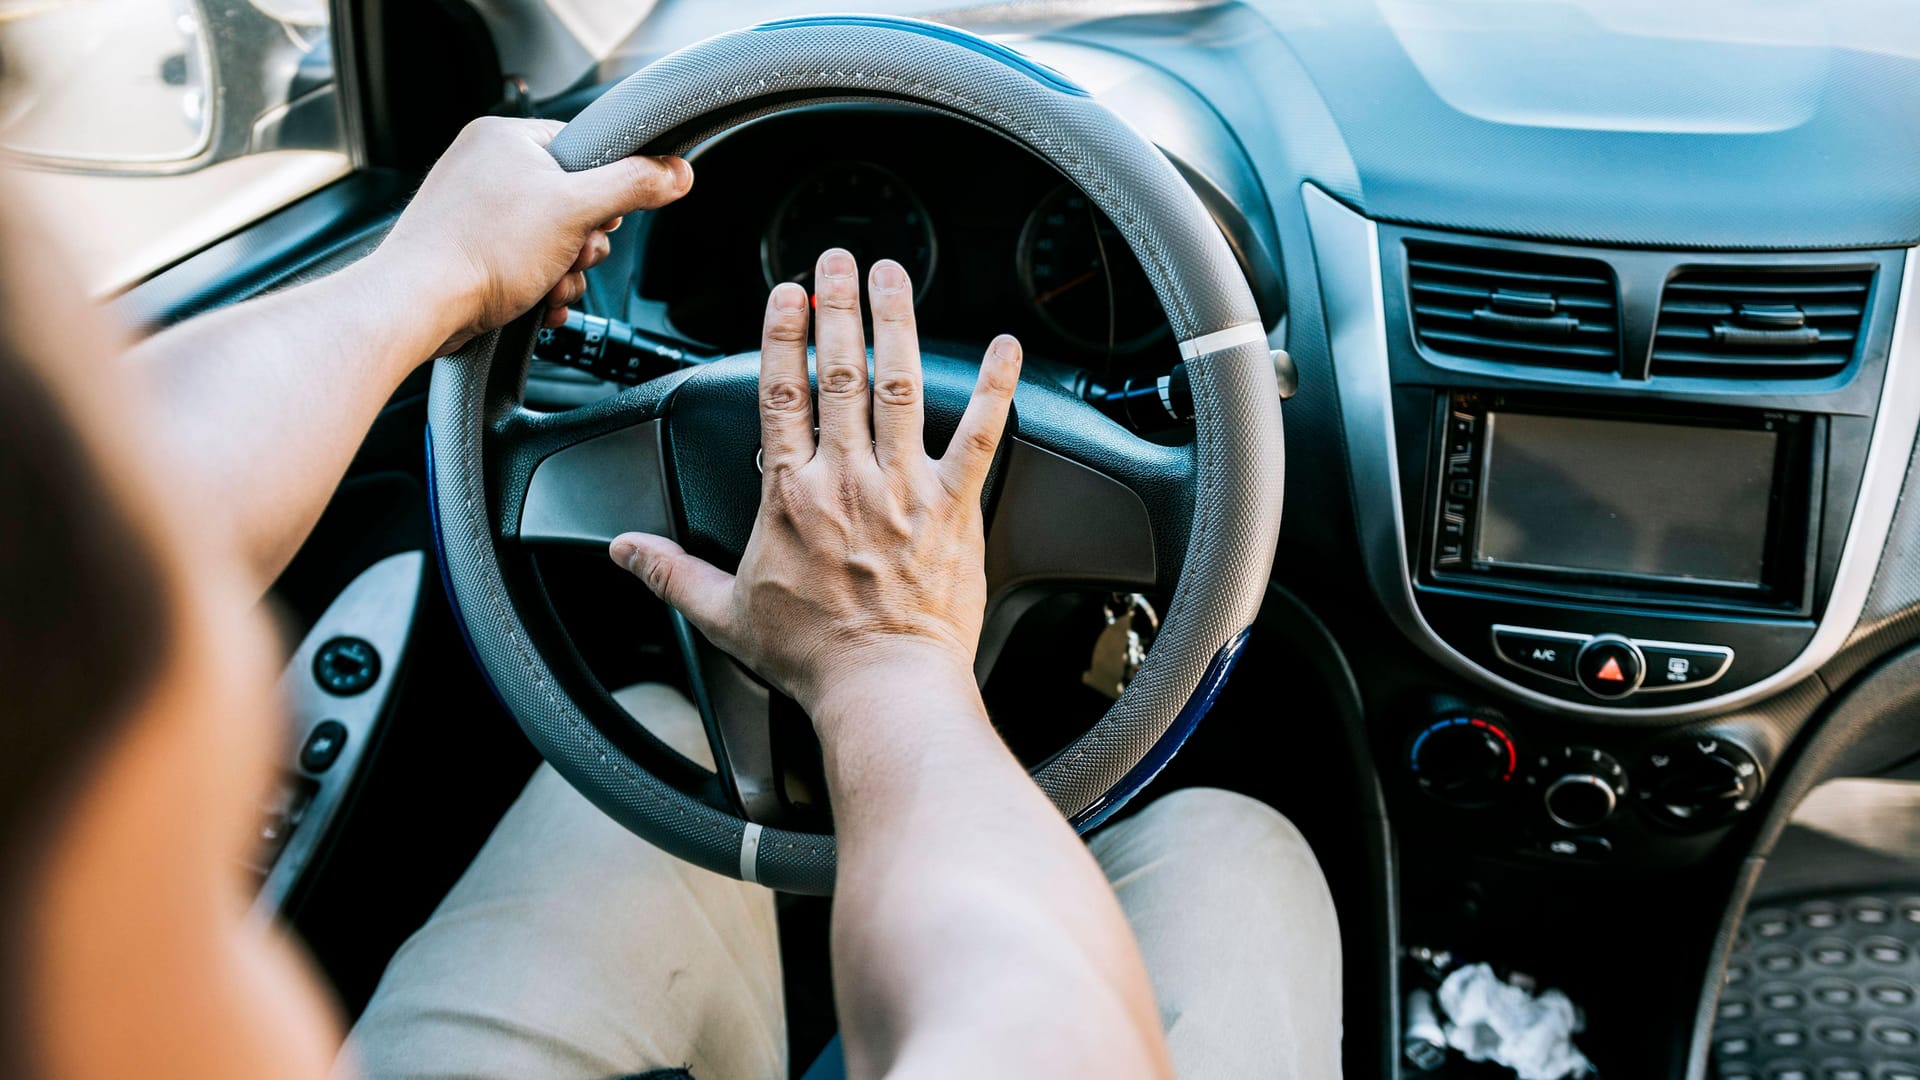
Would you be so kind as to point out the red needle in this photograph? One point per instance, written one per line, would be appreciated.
(1058, 289)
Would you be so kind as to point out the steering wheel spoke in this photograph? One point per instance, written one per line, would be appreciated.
(582, 477)
(737, 710)
(586, 475)
(595, 490)
(1058, 524)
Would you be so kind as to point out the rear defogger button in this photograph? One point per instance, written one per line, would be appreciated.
(1543, 652)
(1673, 665)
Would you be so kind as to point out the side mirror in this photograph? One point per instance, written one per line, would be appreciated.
(163, 87)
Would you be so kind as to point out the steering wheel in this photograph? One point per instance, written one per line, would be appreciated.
(1076, 500)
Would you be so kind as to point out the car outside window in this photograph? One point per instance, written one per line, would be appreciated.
(146, 129)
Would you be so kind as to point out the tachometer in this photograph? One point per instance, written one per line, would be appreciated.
(1082, 279)
(855, 205)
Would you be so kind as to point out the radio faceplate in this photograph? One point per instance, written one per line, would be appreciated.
(1683, 508)
(1692, 531)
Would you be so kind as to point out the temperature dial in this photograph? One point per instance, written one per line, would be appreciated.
(1464, 760)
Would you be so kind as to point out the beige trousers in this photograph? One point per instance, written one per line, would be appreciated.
(573, 950)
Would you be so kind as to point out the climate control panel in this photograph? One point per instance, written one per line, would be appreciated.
(1563, 799)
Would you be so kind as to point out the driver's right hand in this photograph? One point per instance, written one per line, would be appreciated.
(867, 559)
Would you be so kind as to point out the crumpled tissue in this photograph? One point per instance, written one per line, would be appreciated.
(1490, 1019)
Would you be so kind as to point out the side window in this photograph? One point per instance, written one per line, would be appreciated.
(146, 129)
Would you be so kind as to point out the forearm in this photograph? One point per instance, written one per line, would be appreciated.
(266, 402)
(973, 932)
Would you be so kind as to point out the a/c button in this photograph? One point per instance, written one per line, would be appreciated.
(1543, 652)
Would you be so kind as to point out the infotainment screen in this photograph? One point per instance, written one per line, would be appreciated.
(1626, 497)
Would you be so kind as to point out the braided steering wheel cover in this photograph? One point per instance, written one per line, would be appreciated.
(685, 98)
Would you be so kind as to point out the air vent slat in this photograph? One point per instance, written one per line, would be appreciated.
(1813, 311)
(1464, 317)
(1764, 288)
(1828, 335)
(1514, 307)
(1834, 311)
(1465, 270)
(1566, 300)
(1730, 323)
(1812, 362)
(1483, 341)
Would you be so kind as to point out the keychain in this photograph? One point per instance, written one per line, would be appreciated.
(1122, 646)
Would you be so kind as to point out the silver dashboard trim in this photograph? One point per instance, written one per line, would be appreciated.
(1346, 251)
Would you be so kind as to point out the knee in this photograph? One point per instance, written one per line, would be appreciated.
(1214, 821)
(1208, 836)
(1238, 930)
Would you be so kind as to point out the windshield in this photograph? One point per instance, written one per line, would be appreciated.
(1604, 64)
(558, 45)
(1706, 66)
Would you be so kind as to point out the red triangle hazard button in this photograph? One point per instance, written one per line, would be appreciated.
(1610, 671)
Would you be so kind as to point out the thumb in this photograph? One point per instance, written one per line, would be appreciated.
(629, 184)
(694, 587)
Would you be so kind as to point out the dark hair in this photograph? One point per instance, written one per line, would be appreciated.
(83, 630)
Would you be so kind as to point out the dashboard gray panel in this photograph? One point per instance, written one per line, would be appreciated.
(1787, 126)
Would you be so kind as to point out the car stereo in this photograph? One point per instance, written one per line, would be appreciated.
(1704, 506)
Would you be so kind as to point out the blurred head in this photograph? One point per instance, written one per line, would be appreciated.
(138, 720)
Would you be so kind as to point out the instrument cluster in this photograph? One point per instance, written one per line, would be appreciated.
(995, 240)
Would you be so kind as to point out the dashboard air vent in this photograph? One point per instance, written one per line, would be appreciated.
(1802, 323)
(1514, 307)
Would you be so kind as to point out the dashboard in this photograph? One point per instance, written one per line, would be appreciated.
(994, 239)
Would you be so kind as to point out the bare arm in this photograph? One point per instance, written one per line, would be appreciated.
(267, 401)
(973, 932)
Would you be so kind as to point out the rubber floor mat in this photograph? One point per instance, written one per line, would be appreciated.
(1824, 987)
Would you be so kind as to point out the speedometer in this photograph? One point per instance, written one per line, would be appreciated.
(1082, 279)
(855, 205)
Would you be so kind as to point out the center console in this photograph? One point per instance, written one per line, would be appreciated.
(1643, 539)
(1621, 498)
